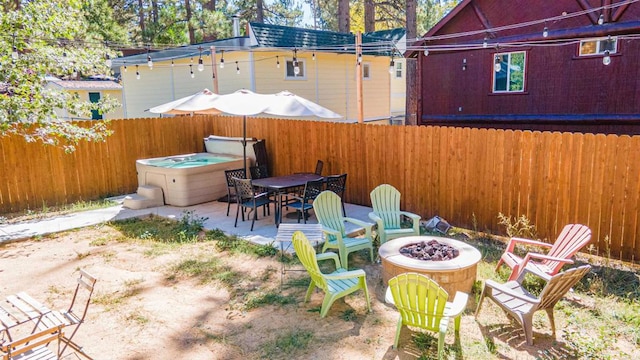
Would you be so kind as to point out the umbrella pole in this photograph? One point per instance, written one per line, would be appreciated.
(244, 144)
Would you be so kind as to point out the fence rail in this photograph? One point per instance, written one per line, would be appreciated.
(464, 175)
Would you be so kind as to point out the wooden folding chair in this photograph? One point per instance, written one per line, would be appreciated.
(75, 314)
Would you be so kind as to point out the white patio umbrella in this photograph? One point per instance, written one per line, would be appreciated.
(198, 103)
(245, 102)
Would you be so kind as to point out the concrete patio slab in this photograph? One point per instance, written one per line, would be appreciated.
(264, 231)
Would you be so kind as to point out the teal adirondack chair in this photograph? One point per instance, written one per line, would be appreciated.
(422, 303)
(338, 284)
(385, 200)
(328, 209)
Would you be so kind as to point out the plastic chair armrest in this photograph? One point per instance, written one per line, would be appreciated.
(359, 222)
(516, 240)
(412, 216)
(329, 256)
(499, 287)
(346, 274)
(331, 231)
(458, 305)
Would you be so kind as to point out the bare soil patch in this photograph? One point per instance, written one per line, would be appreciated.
(144, 308)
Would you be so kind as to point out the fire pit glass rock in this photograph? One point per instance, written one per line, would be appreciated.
(430, 251)
(455, 274)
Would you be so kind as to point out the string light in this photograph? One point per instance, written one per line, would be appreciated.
(426, 52)
(137, 73)
(359, 58)
(606, 60)
(149, 61)
(222, 59)
(313, 56)
(545, 32)
(125, 66)
(172, 64)
(277, 62)
(601, 19)
(14, 53)
(485, 43)
(200, 64)
(498, 66)
(237, 68)
(464, 64)
(107, 61)
(191, 71)
(296, 67)
(391, 66)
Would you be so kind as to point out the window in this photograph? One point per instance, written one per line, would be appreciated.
(598, 46)
(94, 97)
(366, 71)
(508, 72)
(398, 70)
(291, 70)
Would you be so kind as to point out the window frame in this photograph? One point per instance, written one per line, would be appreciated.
(398, 69)
(600, 49)
(524, 73)
(366, 75)
(303, 67)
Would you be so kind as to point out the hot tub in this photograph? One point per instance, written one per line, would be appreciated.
(188, 179)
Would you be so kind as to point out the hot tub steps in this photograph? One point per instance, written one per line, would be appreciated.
(147, 196)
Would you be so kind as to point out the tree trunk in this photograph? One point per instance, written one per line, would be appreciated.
(344, 16)
(192, 34)
(259, 11)
(210, 5)
(141, 15)
(154, 11)
(369, 16)
(411, 109)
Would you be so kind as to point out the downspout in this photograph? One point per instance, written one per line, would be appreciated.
(252, 72)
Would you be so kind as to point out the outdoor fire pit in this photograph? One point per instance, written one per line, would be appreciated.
(451, 263)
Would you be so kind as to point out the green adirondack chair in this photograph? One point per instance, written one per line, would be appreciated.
(328, 209)
(338, 284)
(385, 200)
(422, 303)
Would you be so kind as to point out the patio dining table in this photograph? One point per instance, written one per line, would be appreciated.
(281, 185)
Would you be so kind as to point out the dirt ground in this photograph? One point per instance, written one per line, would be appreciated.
(140, 310)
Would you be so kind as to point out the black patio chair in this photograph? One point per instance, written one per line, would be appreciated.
(338, 184)
(304, 203)
(231, 185)
(248, 199)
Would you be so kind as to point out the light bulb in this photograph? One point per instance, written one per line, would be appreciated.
(192, 74)
(14, 53)
(545, 32)
(359, 58)
(296, 68)
(497, 67)
(464, 64)
(606, 60)
(313, 56)
(149, 62)
(391, 65)
(222, 63)
(172, 64)
(485, 43)
(200, 65)
(125, 68)
(277, 62)
(75, 73)
(108, 61)
(237, 68)
(137, 75)
(601, 19)
(426, 52)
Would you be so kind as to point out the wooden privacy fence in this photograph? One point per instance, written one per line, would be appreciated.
(464, 175)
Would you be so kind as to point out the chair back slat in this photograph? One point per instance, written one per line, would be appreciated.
(307, 256)
(559, 285)
(385, 201)
(420, 300)
(328, 209)
(319, 166)
(312, 189)
(572, 238)
(26, 344)
(244, 189)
